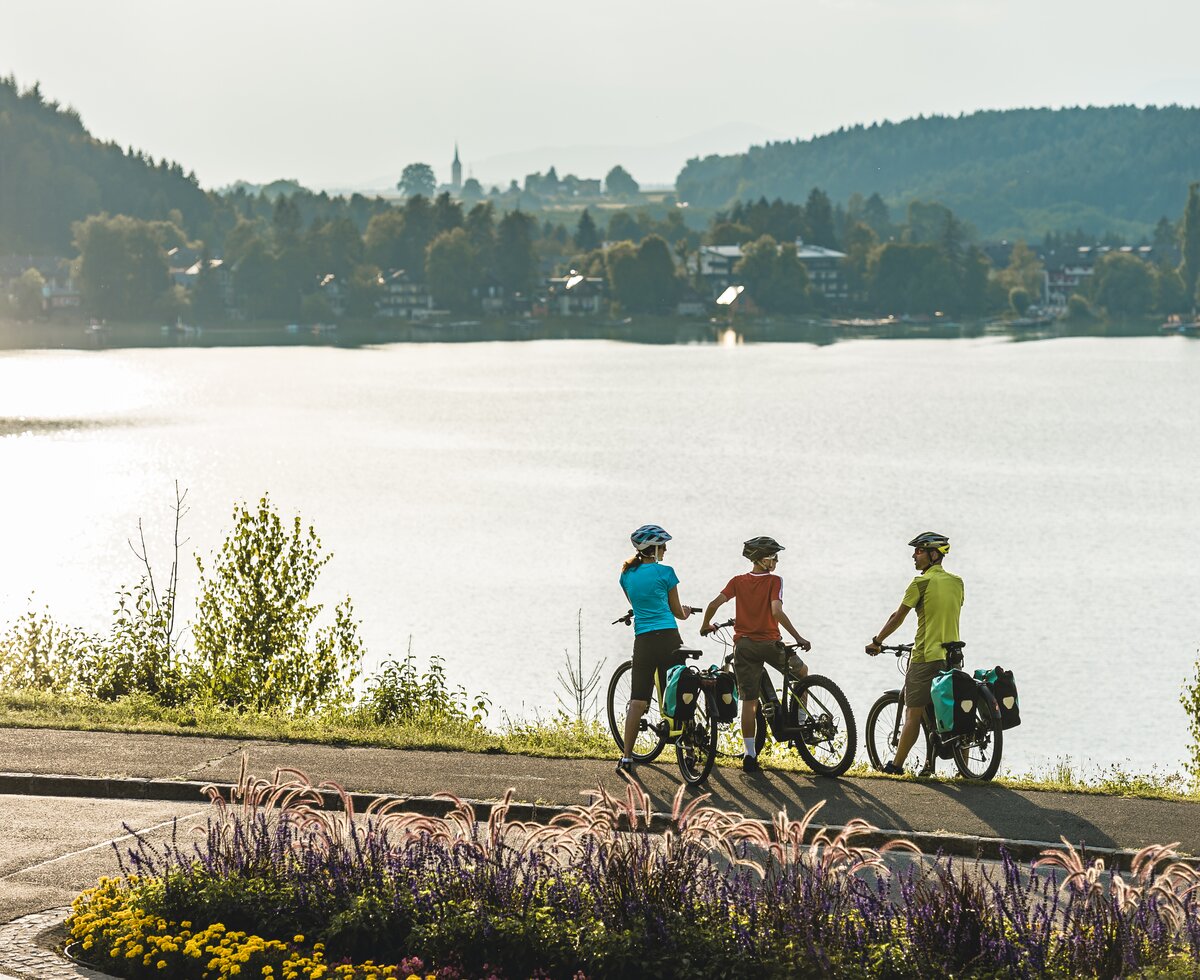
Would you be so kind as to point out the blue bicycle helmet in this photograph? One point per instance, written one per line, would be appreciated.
(649, 536)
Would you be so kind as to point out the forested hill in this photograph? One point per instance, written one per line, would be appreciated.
(1013, 172)
(53, 172)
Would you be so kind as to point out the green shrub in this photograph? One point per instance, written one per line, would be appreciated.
(399, 693)
(38, 653)
(255, 616)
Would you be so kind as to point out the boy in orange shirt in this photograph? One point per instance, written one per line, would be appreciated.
(756, 636)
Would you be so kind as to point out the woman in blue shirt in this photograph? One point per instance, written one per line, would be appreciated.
(653, 591)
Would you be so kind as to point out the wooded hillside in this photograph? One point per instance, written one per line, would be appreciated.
(1009, 173)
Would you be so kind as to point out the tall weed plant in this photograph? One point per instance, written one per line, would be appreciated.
(1191, 703)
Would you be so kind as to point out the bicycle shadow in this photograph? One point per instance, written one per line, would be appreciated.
(931, 806)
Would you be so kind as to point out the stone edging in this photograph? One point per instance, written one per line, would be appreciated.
(21, 953)
(189, 791)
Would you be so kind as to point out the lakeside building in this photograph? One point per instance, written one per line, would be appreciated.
(575, 294)
(713, 265)
(1069, 274)
(403, 297)
(59, 291)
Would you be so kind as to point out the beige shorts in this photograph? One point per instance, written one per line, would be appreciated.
(917, 681)
(749, 657)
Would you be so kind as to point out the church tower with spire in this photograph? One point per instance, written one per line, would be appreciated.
(456, 170)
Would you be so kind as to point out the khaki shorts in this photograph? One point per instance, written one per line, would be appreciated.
(917, 681)
(749, 657)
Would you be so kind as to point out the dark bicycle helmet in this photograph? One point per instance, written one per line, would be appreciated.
(649, 536)
(761, 547)
(931, 541)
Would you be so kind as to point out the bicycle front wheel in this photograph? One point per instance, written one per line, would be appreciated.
(651, 736)
(977, 755)
(883, 734)
(828, 737)
(696, 746)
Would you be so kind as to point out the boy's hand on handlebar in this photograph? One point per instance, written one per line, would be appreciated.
(803, 644)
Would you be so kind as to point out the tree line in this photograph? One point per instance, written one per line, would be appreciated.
(924, 263)
(1012, 173)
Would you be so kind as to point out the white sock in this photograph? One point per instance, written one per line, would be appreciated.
(750, 750)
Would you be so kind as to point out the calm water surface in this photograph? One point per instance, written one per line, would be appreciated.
(477, 496)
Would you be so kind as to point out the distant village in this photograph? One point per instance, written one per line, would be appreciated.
(710, 276)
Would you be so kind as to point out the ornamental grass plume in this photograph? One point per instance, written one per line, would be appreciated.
(593, 892)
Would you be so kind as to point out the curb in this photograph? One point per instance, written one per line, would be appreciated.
(967, 846)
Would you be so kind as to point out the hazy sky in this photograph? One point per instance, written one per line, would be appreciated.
(340, 95)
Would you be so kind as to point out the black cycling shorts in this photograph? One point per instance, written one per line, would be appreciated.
(653, 653)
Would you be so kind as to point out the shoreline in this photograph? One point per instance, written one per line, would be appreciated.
(353, 334)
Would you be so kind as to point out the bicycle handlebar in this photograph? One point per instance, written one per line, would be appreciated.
(719, 626)
(627, 619)
(898, 650)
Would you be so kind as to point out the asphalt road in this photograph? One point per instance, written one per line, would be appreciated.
(51, 848)
(946, 806)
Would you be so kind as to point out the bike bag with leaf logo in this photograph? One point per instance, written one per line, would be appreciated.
(955, 697)
(726, 693)
(679, 698)
(1004, 688)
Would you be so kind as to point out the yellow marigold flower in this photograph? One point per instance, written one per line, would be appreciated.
(162, 964)
(297, 938)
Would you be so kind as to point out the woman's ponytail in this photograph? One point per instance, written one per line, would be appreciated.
(632, 563)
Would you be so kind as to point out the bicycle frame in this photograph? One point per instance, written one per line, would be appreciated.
(772, 709)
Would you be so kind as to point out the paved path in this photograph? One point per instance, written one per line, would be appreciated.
(948, 806)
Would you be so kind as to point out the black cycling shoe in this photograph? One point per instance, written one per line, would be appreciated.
(926, 773)
(750, 764)
(891, 769)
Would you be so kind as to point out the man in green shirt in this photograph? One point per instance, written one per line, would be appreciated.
(937, 596)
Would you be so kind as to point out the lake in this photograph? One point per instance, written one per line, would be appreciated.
(476, 496)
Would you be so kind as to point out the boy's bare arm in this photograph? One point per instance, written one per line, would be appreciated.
(717, 603)
(782, 619)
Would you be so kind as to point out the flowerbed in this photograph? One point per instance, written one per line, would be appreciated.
(277, 887)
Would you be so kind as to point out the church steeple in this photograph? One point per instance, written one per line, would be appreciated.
(456, 170)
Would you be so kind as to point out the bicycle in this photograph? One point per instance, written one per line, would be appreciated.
(814, 717)
(976, 754)
(695, 740)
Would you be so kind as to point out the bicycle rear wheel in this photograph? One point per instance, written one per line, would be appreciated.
(883, 734)
(977, 755)
(829, 736)
(696, 746)
(651, 735)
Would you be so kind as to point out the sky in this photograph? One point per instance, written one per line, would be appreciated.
(343, 96)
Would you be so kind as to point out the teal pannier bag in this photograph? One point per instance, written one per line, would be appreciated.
(955, 694)
(1004, 688)
(679, 698)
